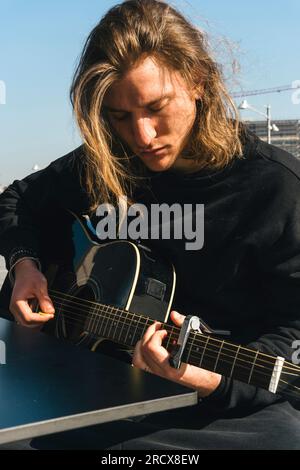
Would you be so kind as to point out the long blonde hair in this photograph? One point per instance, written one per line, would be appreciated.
(127, 32)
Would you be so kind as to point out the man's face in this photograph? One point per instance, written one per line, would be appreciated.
(153, 111)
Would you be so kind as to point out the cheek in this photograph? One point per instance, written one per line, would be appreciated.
(182, 118)
(122, 130)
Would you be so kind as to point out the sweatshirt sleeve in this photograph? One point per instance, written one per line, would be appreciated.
(277, 255)
(25, 201)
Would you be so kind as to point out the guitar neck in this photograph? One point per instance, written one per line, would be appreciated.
(201, 350)
(230, 360)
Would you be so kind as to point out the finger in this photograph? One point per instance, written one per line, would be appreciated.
(154, 351)
(26, 316)
(44, 300)
(150, 332)
(177, 318)
(46, 305)
(138, 359)
(21, 321)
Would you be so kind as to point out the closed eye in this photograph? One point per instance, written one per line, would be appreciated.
(119, 117)
(156, 110)
(124, 116)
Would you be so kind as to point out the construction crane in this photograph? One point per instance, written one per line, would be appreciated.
(266, 91)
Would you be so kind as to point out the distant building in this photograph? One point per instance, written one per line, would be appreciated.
(288, 137)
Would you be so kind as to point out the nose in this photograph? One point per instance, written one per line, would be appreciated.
(144, 132)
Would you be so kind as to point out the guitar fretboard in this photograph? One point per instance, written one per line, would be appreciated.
(202, 350)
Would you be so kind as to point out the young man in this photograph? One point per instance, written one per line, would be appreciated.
(159, 127)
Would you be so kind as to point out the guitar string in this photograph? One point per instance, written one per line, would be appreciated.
(289, 389)
(83, 302)
(297, 388)
(262, 380)
(196, 342)
(196, 357)
(295, 368)
(116, 310)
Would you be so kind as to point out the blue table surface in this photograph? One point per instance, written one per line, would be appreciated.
(45, 378)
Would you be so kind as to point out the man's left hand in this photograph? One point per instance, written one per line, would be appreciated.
(151, 356)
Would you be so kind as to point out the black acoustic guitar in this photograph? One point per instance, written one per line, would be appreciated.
(94, 300)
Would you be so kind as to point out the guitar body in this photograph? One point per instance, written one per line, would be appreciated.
(118, 274)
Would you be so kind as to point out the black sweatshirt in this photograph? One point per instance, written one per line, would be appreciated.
(245, 279)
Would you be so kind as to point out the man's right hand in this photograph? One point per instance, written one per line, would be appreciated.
(30, 284)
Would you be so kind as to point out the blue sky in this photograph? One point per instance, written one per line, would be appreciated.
(40, 42)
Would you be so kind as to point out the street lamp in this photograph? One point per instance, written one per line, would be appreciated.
(270, 127)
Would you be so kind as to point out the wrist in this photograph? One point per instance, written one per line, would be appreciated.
(26, 263)
(209, 385)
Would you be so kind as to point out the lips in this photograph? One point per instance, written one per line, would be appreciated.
(158, 151)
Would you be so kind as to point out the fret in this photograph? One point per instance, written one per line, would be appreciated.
(93, 317)
(122, 321)
(191, 348)
(262, 372)
(98, 322)
(252, 368)
(118, 319)
(133, 328)
(210, 354)
(90, 316)
(228, 358)
(218, 356)
(103, 318)
(234, 362)
(145, 327)
(245, 361)
(106, 321)
(129, 328)
(112, 321)
(134, 339)
(203, 352)
(231, 360)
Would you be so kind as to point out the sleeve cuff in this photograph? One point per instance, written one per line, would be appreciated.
(17, 256)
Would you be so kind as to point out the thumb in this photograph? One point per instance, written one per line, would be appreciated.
(46, 304)
(177, 318)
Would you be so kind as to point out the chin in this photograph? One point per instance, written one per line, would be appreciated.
(159, 164)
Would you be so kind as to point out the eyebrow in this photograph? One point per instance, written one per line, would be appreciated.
(151, 103)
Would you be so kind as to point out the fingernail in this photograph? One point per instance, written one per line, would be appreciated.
(45, 313)
(48, 306)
